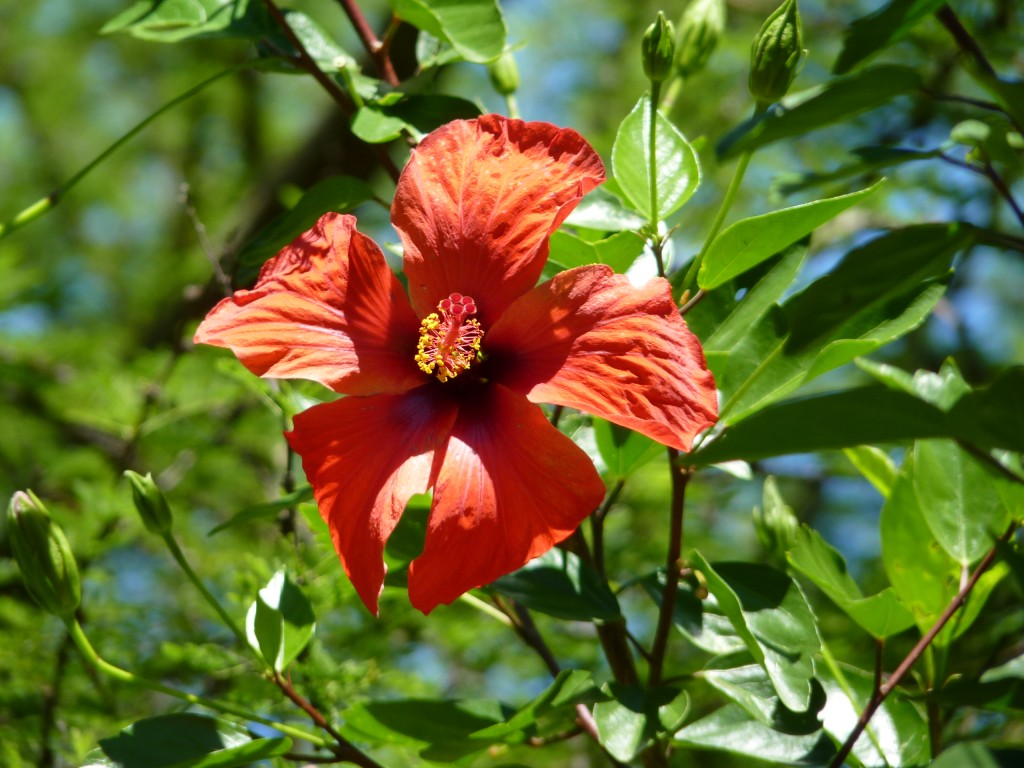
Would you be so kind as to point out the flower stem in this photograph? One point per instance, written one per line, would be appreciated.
(179, 557)
(652, 163)
(378, 50)
(716, 225)
(122, 675)
(44, 205)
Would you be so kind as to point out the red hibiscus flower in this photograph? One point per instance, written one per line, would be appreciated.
(442, 385)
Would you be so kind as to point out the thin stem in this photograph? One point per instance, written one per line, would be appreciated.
(309, 64)
(122, 675)
(597, 525)
(673, 566)
(179, 557)
(716, 224)
(377, 50)
(652, 167)
(696, 299)
(963, 38)
(993, 176)
(512, 106)
(47, 203)
(485, 607)
(883, 691)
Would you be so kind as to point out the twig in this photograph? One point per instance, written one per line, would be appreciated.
(963, 38)
(673, 565)
(597, 525)
(993, 176)
(882, 691)
(377, 49)
(342, 747)
(309, 64)
(185, 196)
(696, 299)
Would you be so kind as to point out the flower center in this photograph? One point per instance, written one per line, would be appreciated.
(449, 338)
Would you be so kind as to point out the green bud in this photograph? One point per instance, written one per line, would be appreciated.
(775, 523)
(701, 25)
(658, 49)
(504, 74)
(44, 556)
(150, 502)
(776, 53)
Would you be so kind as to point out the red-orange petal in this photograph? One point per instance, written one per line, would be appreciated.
(590, 340)
(510, 488)
(326, 308)
(477, 202)
(364, 457)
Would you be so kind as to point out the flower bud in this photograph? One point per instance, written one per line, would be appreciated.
(44, 556)
(701, 25)
(776, 53)
(150, 502)
(658, 49)
(504, 74)
(775, 523)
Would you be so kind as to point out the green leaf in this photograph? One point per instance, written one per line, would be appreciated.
(967, 755)
(438, 730)
(875, 465)
(280, 52)
(960, 503)
(341, 194)
(632, 719)
(828, 421)
(268, 510)
(559, 584)
(418, 114)
(881, 615)
(835, 101)
(897, 734)
(186, 741)
(475, 28)
(771, 614)
(602, 211)
(880, 29)
(699, 619)
(549, 711)
(751, 688)
(280, 622)
(994, 416)
(677, 165)
(623, 450)
(923, 576)
(618, 251)
(942, 389)
(748, 242)
(877, 293)
(732, 729)
(168, 21)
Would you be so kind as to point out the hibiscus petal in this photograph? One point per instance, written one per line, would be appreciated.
(588, 339)
(326, 308)
(510, 488)
(477, 202)
(364, 457)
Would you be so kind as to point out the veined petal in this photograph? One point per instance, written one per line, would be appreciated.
(588, 339)
(326, 308)
(477, 202)
(510, 488)
(364, 457)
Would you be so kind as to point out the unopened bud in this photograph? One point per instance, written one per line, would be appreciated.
(775, 523)
(658, 49)
(775, 54)
(701, 25)
(150, 502)
(504, 74)
(44, 556)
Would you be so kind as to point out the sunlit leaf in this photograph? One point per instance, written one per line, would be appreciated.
(417, 114)
(623, 450)
(168, 21)
(732, 729)
(475, 28)
(618, 251)
(678, 169)
(280, 622)
(633, 717)
(748, 242)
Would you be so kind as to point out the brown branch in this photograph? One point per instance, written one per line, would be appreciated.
(343, 748)
(963, 38)
(378, 50)
(673, 567)
(882, 692)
